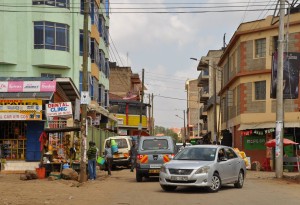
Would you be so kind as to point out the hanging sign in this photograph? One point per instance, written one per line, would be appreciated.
(59, 109)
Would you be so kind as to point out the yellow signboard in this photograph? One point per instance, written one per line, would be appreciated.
(19, 109)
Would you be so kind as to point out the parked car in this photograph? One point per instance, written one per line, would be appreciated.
(153, 152)
(208, 166)
(121, 158)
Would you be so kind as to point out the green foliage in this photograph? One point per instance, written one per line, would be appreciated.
(165, 132)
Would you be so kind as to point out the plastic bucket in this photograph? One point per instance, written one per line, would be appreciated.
(41, 172)
(114, 148)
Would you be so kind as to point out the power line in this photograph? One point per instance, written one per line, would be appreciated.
(115, 49)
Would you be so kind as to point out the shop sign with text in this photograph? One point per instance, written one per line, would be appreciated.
(27, 86)
(59, 109)
(18, 109)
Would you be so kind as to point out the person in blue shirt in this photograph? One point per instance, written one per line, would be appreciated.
(108, 157)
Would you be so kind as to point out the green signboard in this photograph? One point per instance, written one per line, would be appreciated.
(255, 142)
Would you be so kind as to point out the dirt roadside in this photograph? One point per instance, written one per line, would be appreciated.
(14, 191)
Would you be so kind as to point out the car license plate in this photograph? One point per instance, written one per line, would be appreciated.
(179, 178)
(154, 171)
(155, 166)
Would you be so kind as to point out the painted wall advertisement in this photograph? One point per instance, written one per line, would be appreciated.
(18, 109)
(59, 109)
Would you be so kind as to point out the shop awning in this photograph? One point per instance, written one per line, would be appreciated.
(34, 95)
(264, 125)
(64, 129)
(68, 88)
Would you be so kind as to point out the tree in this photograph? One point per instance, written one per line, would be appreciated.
(159, 130)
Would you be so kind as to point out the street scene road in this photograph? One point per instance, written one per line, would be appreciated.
(121, 188)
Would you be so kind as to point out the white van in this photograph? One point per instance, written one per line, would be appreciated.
(121, 158)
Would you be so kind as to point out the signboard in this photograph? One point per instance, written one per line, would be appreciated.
(59, 109)
(291, 62)
(85, 98)
(18, 109)
(27, 86)
(253, 142)
(122, 132)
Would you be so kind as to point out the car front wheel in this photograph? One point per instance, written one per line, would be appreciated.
(216, 183)
(240, 182)
(138, 176)
(168, 188)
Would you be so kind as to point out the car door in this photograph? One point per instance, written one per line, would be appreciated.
(224, 166)
(234, 163)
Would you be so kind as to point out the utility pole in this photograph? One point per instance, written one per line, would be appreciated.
(279, 95)
(152, 120)
(84, 88)
(213, 68)
(187, 112)
(142, 102)
(184, 130)
(149, 115)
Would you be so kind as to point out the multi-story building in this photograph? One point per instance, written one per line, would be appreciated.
(248, 111)
(45, 39)
(209, 81)
(125, 100)
(193, 108)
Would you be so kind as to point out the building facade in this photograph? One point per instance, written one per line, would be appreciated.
(125, 100)
(44, 39)
(248, 111)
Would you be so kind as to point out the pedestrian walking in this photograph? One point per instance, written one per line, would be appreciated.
(133, 154)
(108, 157)
(91, 155)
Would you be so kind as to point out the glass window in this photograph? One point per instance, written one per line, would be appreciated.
(56, 3)
(260, 90)
(49, 35)
(230, 154)
(193, 153)
(260, 48)
(155, 144)
(122, 143)
(50, 75)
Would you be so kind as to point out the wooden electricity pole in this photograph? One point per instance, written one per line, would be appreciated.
(84, 88)
(279, 95)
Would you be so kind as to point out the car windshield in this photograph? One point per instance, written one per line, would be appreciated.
(155, 144)
(197, 153)
(122, 143)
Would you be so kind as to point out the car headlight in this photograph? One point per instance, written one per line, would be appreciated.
(163, 169)
(203, 170)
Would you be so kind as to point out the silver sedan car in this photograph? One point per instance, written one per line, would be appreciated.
(208, 166)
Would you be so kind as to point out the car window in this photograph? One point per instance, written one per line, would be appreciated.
(155, 144)
(230, 153)
(199, 153)
(122, 143)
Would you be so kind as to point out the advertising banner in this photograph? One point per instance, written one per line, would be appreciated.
(27, 86)
(18, 109)
(291, 64)
(58, 109)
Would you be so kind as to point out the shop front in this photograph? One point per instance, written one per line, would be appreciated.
(23, 119)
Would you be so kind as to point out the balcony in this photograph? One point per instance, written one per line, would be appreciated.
(203, 78)
(204, 94)
(203, 112)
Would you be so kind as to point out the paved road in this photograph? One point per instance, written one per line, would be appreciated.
(121, 188)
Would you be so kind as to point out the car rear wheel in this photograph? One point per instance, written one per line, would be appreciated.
(216, 183)
(138, 176)
(240, 182)
(168, 188)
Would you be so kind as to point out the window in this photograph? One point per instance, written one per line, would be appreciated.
(49, 35)
(260, 90)
(56, 3)
(230, 153)
(260, 48)
(95, 53)
(155, 144)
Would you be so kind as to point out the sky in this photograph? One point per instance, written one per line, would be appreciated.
(163, 43)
